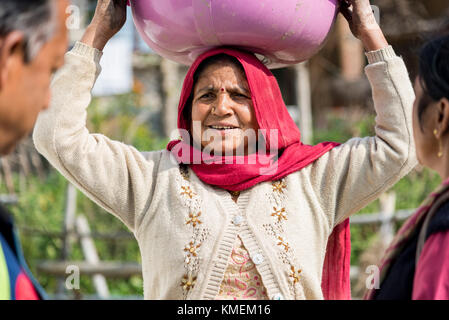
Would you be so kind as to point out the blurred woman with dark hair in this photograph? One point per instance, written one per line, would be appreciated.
(416, 266)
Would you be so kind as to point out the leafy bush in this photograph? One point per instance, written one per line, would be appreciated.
(41, 206)
(410, 190)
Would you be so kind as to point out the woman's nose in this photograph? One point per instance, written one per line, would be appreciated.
(223, 105)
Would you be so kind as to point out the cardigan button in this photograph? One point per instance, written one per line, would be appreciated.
(237, 220)
(258, 259)
(277, 296)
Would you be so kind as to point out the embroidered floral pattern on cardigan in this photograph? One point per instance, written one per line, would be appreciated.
(187, 192)
(279, 213)
(192, 201)
(188, 282)
(194, 219)
(279, 186)
(276, 230)
(295, 275)
(191, 249)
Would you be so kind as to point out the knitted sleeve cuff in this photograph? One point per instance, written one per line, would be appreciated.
(84, 50)
(380, 55)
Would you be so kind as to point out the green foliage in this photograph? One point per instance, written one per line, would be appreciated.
(41, 209)
(339, 129)
(41, 206)
(410, 190)
(410, 193)
(115, 117)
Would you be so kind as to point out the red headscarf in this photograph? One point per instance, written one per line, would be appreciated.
(271, 113)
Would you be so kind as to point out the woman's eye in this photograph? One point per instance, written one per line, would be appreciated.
(206, 96)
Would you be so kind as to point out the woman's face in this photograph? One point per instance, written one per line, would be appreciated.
(223, 118)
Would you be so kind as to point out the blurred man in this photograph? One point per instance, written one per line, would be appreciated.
(33, 41)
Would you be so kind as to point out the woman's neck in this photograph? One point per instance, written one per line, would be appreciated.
(235, 195)
(443, 164)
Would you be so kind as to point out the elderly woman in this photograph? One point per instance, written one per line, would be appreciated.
(416, 265)
(255, 223)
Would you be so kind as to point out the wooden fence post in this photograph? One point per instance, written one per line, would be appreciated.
(24, 167)
(37, 163)
(23, 159)
(304, 102)
(387, 211)
(171, 92)
(8, 175)
(91, 255)
(68, 230)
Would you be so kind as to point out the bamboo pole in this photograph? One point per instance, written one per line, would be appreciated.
(23, 160)
(91, 255)
(171, 92)
(37, 163)
(387, 210)
(8, 175)
(106, 268)
(68, 229)
(304, 102)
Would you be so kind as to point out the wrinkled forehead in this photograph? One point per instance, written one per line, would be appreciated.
(219, 61)
(241, 59)
(223, 72)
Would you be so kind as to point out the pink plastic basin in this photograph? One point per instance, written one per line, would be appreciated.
(284, 32)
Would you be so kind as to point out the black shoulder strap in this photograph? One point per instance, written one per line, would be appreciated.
(423, 234)
(440, 221)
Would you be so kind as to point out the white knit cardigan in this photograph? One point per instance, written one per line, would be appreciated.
(186, 229)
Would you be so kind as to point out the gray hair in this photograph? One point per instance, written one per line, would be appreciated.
(35, 18)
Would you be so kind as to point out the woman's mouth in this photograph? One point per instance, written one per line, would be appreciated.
(222, 128)
(223, 131)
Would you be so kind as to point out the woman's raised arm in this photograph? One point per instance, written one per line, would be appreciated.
(352, 175)
(116, 176)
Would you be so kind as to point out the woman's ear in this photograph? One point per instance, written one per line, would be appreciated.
(10, 46)
(443, 115)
